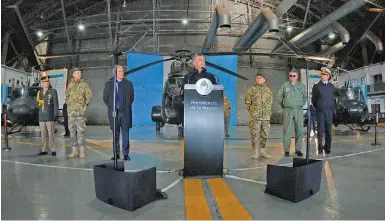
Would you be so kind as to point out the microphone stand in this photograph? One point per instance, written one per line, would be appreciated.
(114, 117)
(308, 112)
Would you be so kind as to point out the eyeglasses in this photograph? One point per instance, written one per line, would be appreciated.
(292, 76)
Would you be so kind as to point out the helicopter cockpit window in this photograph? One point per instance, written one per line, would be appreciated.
(350, 95)
(23, 93)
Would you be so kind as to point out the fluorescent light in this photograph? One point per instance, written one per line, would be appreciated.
(332, 35)
(39, 33)
(184, 21)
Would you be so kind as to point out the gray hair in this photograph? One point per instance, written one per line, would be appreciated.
(197, 55)
(120, 66)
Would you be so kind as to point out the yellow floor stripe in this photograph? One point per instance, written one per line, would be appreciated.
(229, 206)
(196, 206)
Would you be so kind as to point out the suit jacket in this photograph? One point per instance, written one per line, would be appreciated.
(193, 77)
(108, 98)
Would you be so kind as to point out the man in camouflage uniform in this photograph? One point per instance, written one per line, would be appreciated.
(78, 96)
(258, 100)
(292, 98)
(227, 110)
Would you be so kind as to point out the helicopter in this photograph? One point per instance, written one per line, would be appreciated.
(350, 109)
(22, 110)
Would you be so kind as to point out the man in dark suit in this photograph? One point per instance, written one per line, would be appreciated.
(124, 99)
(323, 99)
(198, 72)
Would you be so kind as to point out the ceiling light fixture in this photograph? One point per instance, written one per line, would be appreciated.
(39, 33)
(184, 21)
(81, 27)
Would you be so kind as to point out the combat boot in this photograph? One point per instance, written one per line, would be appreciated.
(257, 155)
(74, 152)
(82, 155)
(264, 154)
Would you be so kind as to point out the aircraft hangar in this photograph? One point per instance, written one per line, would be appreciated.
(80, 77)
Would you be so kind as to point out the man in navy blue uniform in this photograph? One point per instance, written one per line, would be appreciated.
(323, 99)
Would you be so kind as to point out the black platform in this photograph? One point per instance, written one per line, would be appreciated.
(125, 190)
(294, 183)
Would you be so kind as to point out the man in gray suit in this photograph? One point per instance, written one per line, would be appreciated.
(124, 99)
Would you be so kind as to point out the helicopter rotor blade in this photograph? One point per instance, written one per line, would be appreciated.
(225, 70)
(147, 65)
(291, 55)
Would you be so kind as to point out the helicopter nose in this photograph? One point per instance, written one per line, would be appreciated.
(20, 110)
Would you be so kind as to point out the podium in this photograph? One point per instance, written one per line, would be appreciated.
(203, 130)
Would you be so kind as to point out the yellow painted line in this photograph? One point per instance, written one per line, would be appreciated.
(229, 206)
(196, 206)
(98, 151)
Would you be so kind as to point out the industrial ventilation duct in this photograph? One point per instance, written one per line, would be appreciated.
(340, 45)
(222, 19)
(330, 50)
(260, 26)
(342, 32)
(347, 8)
(375, 40)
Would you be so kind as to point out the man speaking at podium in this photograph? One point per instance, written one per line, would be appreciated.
(198, 72)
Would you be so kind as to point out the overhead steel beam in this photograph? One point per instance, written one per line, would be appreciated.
(18, 55)
(17, 10)
(5, 48)
(66, 28)
(117, 28)
(364, 27)
(306, 13)
(110, 28)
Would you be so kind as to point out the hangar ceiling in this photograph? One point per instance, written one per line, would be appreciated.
(136, 25)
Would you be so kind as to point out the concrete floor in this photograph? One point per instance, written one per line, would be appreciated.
(47, 187)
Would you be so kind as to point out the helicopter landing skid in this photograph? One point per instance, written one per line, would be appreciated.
(17, 131)
(362, 129)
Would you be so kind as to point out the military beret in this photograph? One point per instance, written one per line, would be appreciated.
(294, 70)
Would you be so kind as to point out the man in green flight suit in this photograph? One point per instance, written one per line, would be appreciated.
(292, 98)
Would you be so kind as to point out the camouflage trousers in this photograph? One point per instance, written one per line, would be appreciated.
(77, 127)
(227, 122)
(259, 131)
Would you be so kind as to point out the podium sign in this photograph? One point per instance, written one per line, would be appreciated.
(203, 129)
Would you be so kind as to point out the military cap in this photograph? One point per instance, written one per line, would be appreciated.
(44, 76)
(325, 69)
(76, 69)
(259, 74)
